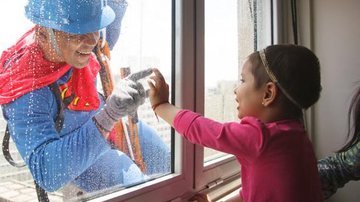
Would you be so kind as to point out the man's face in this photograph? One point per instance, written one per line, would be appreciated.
(76, 48)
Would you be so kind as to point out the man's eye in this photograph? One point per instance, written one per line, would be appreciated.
(74, 36)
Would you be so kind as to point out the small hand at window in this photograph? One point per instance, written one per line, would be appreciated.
(159, 89)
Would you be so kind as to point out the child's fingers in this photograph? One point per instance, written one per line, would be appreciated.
(151, 85)
(158, 74)
(159, 82)
(156, 71)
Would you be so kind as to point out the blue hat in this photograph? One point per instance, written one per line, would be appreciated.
(71, 16)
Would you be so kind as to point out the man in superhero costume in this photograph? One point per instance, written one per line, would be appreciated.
(58, 49)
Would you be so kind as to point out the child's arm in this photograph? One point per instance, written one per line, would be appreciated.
(232, 137)
(159, 98)
(167, 112)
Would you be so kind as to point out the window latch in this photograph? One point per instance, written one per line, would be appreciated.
(214, 183)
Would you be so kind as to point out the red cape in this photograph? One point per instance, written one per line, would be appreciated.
(24, 69)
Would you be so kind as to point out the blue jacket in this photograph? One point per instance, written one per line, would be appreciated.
(79, 153)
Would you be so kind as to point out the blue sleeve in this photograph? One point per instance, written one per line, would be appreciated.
(53, 159)
(113, 30)
(338, 169)
(156, 153)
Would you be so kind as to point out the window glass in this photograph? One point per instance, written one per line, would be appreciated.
(233, 30)
(144, 42)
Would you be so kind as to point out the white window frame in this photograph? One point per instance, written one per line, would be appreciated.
(225, 169)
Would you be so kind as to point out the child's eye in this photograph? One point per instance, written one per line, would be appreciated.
(242, 80)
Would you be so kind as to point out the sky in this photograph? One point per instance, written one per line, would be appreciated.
(221, 54)
(154, 35)
(12, 22)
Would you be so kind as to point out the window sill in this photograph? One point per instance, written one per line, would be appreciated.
(221, 192)
(225, 190)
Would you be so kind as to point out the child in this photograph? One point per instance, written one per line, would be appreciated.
(277, 159)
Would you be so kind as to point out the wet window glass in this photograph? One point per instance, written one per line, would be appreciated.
(233, 30)
(67, 147)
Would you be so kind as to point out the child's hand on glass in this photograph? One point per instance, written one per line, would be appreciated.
(159, 89)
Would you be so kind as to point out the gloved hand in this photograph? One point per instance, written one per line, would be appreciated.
(127, 96)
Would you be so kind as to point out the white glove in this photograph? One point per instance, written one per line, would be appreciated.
(124, 100)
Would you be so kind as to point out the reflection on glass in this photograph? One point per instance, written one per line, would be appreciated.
(145, 42)
(232, 31)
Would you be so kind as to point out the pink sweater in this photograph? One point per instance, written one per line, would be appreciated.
(277, 160)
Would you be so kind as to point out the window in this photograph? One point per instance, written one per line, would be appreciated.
(199, 47)
(232, 30)
(145, 42)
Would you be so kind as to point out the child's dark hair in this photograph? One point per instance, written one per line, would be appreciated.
(297, 71)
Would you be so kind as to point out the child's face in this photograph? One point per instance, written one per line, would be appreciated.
(247, 96)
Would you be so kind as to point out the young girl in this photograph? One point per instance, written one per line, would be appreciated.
(270, 142)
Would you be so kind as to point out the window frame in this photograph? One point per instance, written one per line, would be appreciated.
(179, 184)
(225, 169)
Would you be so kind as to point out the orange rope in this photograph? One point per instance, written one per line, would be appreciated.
(133, 130)
(103, 56)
